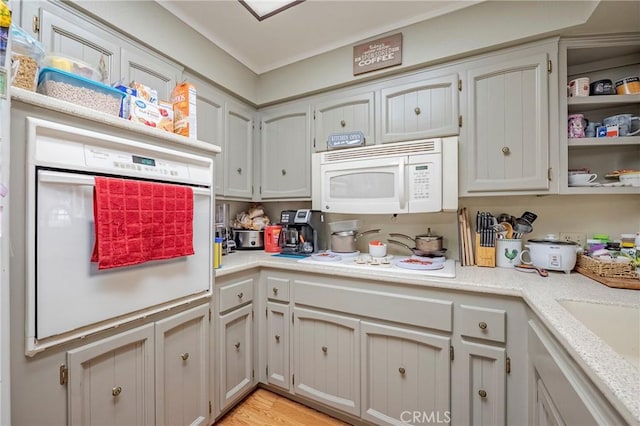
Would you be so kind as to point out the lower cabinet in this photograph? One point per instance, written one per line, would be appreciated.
(112, 381)
(236, 354)
(278, 370)
(327, 354)
(154, 374)
(405, 375)
(182, 368)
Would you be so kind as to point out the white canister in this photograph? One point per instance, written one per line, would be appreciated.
(508, 252)
(579, 87)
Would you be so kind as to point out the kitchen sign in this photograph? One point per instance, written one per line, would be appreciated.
(345, 140)
(377, 54)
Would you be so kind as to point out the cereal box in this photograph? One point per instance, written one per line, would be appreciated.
(142, 111)
(183, 98)
(166, 116)
(145, 92)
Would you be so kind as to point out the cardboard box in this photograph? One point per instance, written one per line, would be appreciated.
(183, 98)
(142, 111)
(166, 116)
(145, 92)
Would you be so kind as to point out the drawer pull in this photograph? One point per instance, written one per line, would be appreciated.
(482, 325)
(284, 172)
(482, 393)
(343, 123)
(417, 111)
(116, 391)
(185, 356)
(240, 295)
(239, 170)
(506, 150)
(324, 349)
(275, 290)
(278, 338)
(237, 345)
(402, 370)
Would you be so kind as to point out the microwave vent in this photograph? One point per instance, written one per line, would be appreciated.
(393, 149)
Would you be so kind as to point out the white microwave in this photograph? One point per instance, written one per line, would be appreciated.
(404, 177)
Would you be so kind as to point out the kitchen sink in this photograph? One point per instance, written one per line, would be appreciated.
(616, 325)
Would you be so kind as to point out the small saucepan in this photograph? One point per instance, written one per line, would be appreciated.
(345, 241)
(426, 242)
(421, 253)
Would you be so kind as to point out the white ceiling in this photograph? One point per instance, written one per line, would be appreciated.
(302, 31)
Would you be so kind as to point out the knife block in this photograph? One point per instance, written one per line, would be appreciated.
(485, 256)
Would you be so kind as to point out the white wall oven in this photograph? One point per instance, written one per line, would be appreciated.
(67, 296)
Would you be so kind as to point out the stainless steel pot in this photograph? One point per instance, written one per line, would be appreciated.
(421, 253)
(248, 239)
(345, 241)
(425, 242)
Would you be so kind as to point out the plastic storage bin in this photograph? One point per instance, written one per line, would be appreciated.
(80, 91)
(71, 65)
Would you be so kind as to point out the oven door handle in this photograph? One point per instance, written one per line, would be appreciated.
(78, 179)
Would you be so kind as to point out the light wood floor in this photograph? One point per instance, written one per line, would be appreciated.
(264, 408)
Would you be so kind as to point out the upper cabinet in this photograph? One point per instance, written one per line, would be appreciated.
(285, 152)
(509, 100)
(341, 113)
(237, 152)
(599, 58)
(141, 66)
(420, 106)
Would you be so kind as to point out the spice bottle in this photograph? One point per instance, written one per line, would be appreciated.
(217, 253)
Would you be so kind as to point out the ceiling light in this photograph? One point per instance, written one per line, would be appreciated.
(262, 9)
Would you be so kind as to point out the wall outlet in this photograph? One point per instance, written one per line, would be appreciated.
(577, 237)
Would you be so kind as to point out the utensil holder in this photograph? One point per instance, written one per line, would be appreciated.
(485, 256)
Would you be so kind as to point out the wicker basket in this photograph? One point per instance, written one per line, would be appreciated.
(607, 269)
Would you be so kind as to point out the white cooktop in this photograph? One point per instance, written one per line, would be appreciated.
(448, 271)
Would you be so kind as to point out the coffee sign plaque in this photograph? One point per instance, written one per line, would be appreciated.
(377, 54)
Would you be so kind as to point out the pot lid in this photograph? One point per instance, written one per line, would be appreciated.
(427, 237)
(553, 242)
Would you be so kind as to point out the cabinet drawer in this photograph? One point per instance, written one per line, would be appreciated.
(483, 323)
(235, 294)
(278, 289)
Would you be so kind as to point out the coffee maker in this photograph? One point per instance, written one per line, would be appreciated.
(303, 232)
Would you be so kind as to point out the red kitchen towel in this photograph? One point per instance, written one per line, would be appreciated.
(138, 221)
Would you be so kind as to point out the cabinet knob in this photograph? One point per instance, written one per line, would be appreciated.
(278, 338)
(284, 172)
(506, 150)
(324, 349)
(116, 391)
(482, 325)
(185, 356)
(237, 345)
(482, 393)
(343, 123)
(401, 370)
(239, 170)
(275, 290)
(417, 111)
(240, 295)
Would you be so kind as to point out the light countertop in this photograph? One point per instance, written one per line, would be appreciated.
(616, 378)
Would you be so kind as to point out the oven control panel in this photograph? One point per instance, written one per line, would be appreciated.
(122, 163)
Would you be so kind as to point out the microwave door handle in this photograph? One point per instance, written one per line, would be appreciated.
(402, 196)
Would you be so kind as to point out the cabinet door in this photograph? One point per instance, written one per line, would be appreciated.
(182, 368)
(236, 355)
(143, 67)
(66, 33)
(327, 356)
(278, 345)
(404, 372)
(343, 114)
(285, 135)
(112, 381)
(480, 376)
(506, 129)
(545, 412)
(419, 109)
(238, 159)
